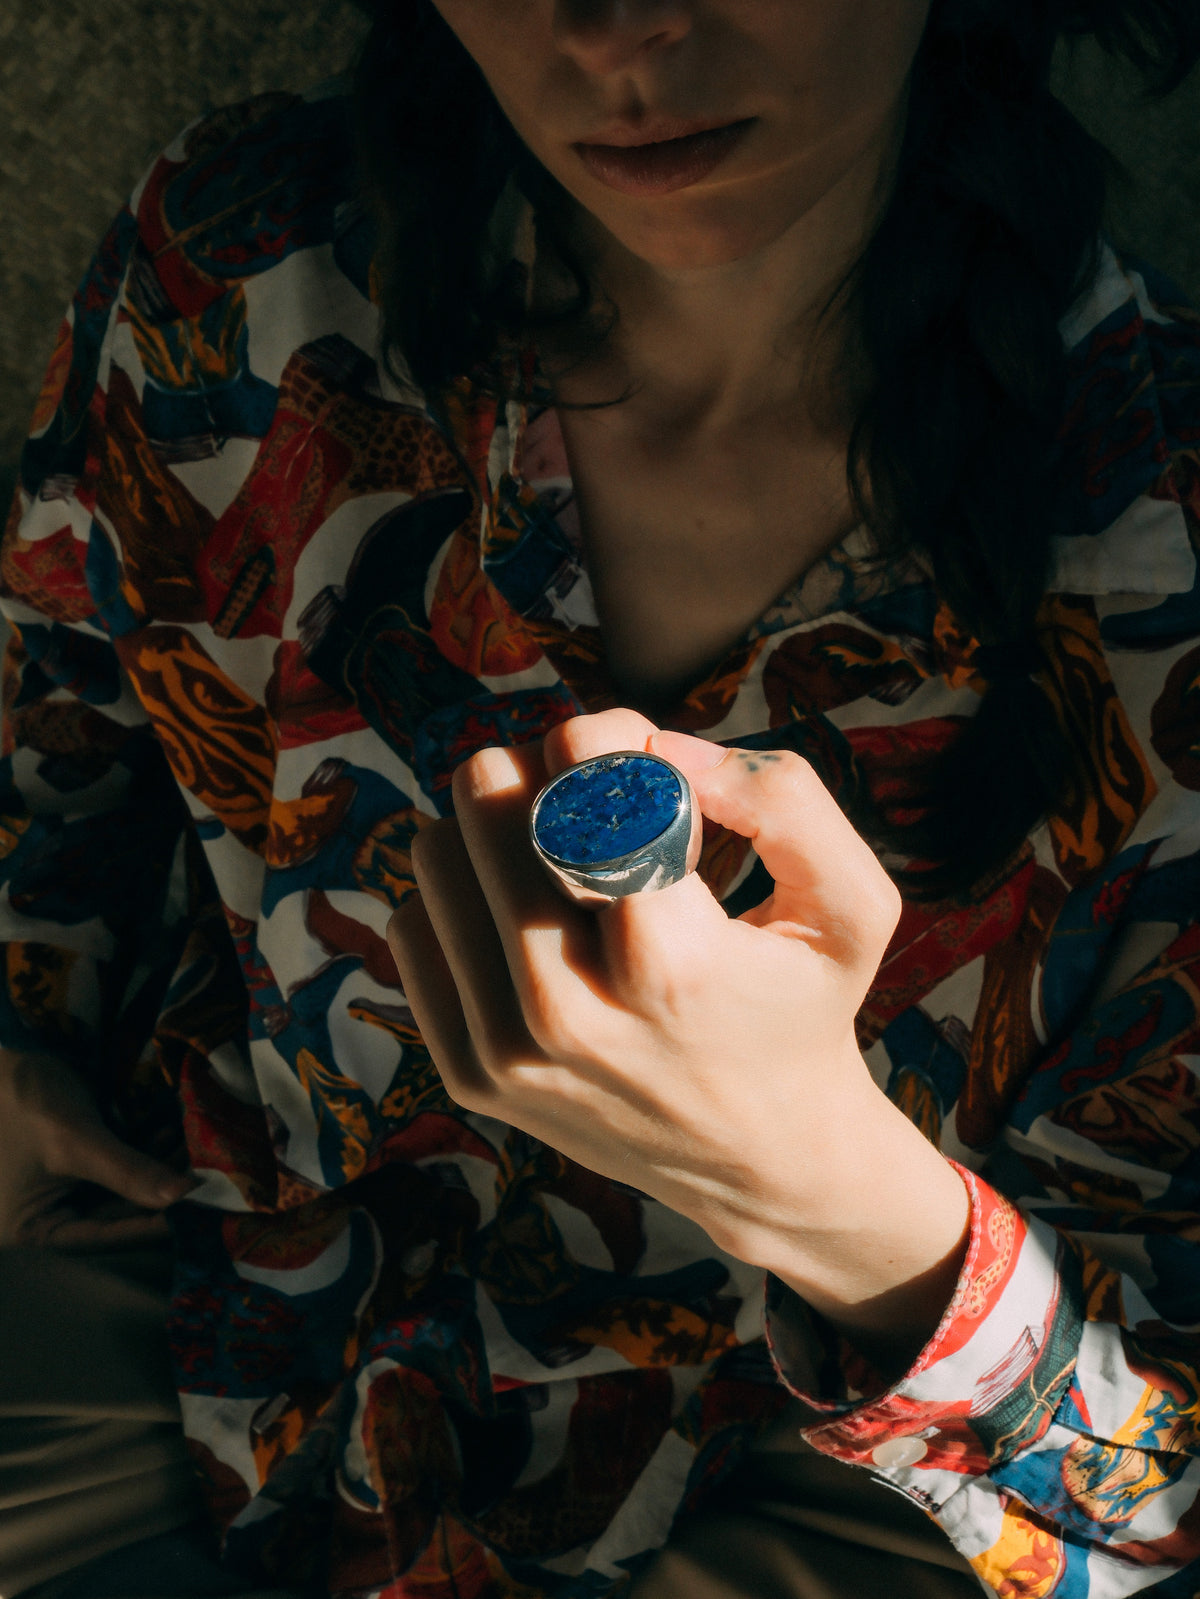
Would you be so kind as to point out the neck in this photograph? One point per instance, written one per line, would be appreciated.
(708, 349)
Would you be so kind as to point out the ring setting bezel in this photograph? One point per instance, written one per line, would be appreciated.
(656, 864)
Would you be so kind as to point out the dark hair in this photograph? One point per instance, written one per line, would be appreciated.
(989, 237)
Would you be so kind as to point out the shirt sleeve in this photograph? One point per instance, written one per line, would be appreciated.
(1051, 1423)
(92, 872)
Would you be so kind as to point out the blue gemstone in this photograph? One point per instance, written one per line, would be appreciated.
(609, 807)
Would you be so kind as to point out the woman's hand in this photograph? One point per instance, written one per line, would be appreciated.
(710, 1063)
(52, 1140)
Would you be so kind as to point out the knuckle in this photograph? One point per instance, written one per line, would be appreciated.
(462, 1089)
(556, 1028)
(790, 770)
(557, 1032)
(878, 913)
(885, 902)
(59, 1151)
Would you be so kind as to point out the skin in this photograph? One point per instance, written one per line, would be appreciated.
(722, 475)
(710, 1062)
(54, 1141)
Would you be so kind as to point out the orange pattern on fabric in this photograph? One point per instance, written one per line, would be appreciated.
(470, 622)
(419, 1087)
(1004, 1041)
(298, 829)
(219, 740)
(54, 384)
(383, 864)
(955, 648)
(1103, 1298)
(1111, 1484)
(1120, 785)
(649, 1333)
(179, 355)
(285, 1422)
(341, 1099)
(38, 978)
(12, 830)
(1026, 1560)
(710, 702)
(160, 529)
(914, 1095)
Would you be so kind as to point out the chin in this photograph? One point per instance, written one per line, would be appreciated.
(705, 227)
(679, 246)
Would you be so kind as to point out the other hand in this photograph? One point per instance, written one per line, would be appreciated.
(52, 1143)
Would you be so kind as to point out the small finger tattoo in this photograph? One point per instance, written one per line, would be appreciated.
(752, 760)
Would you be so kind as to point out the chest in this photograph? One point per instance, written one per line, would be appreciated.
(689, 542)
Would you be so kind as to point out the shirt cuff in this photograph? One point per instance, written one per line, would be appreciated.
(984, 1387)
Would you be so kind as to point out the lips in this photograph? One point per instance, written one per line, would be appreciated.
(661, 165)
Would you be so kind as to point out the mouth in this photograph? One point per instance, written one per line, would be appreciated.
(661, 165)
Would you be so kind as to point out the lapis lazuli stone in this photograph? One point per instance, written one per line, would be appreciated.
(609, 807)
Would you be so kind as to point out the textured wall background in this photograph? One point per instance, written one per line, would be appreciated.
(91, 89)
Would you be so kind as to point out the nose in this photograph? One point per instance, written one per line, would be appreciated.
(605, 36)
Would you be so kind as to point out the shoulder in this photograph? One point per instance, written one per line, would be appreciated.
(222, 351)
(241, 190)
(251, 262)
(1131, 436)
(1124, 599)
(243, 241)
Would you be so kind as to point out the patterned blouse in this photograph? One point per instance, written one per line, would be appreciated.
(265, 600)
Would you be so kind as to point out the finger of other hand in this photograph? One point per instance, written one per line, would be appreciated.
(63, 1228)
(90, 1152)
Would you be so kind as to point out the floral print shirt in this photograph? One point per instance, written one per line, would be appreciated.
(265, 599)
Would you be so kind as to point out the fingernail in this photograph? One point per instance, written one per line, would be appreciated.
(171, 1193)
(691, 755)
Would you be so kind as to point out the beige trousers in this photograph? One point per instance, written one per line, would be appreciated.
(92, 1459)
(794, 1524)
(91, 1452)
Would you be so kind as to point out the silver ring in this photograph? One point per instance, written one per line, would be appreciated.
(616, 825)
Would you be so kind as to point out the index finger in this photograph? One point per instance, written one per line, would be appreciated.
(549, 945)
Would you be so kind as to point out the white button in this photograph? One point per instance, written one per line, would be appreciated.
(900, 1452)
(417, 1260)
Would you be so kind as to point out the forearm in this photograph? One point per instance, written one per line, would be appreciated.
(877, 1255)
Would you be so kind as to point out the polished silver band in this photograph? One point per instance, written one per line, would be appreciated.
(583, 816)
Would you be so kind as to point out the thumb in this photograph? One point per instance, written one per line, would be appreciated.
(89, 1152)
(826, 876)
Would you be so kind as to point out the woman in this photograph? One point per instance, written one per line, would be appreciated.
(748, 376)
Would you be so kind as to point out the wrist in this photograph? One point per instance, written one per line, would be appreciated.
(878, 1252)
